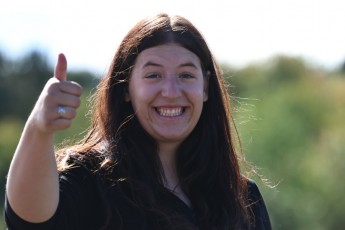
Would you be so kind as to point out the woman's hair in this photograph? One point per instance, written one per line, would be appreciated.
(206, 162)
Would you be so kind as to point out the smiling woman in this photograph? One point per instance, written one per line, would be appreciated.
(159, 152)
(167, 92)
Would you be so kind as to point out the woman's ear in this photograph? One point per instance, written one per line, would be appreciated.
(206, 84)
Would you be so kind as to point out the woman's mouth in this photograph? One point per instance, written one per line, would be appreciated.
(169, 112)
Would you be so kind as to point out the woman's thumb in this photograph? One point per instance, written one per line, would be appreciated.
(60, 71)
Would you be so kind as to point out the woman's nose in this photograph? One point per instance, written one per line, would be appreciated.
(171, 87)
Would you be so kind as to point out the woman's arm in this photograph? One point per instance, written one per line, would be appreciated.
(33, 184)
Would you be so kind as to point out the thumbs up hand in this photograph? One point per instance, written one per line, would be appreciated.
(57, 105)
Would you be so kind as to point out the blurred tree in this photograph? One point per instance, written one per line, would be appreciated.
(3, 84)
(243, 80)
(342, 68)
(291, 123)
(23, 80)
(22, 84)
(286, 69)
(2, 63)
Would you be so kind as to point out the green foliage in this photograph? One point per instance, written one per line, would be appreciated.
(22, 81)
(293, 129)
(342, 68)
(286, 69)
(22, 84)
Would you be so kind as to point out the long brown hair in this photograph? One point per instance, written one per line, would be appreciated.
(206, 162)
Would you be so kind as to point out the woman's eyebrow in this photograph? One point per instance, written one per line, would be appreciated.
(187, 64)
(150, 63)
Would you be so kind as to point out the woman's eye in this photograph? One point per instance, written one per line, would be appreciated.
(152, 75)
(186, 76)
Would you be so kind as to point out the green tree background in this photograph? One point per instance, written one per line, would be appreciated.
(290, 117)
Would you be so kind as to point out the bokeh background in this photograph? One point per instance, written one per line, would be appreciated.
(284, 62)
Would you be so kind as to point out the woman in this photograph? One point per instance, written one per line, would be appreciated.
(159, 153)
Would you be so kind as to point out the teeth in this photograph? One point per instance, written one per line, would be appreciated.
(169, 112)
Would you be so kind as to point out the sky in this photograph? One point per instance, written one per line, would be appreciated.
(238, 32)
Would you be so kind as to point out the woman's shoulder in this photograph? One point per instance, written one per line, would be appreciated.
(92, 166)
(258, 207)
(78, 169)
(70, 158)
(254, 193)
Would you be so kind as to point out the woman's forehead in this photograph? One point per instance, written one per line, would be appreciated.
(172, 54)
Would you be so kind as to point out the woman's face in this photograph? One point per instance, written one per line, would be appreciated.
(167, 90)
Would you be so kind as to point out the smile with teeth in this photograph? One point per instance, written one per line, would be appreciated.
(169, 112)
